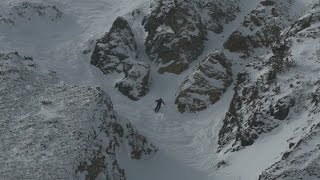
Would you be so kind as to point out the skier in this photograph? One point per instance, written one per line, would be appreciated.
(158, 101)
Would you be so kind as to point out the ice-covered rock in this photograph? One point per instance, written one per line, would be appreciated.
(117, 52)
(205, 86)
(50, 130)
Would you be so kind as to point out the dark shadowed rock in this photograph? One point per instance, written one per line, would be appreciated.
(116, 46)
(117, 52)
(262, 26)
(177, 30)
(282, 107)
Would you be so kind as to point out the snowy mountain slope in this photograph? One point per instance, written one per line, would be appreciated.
(187, 142)
(52, 130)
(301, 158)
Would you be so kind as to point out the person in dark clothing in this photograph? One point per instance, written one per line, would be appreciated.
(159, 102)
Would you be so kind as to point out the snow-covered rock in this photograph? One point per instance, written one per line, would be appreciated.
(301, 159)
(205, 86)
(276, 89)
(177, 30)
(262, 27)
(50, 130)
(27, 11)
(136, 81)
(117, 52)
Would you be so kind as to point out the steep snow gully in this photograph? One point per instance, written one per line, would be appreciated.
(187, 142)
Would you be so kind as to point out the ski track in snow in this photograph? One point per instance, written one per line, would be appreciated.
(187, 142)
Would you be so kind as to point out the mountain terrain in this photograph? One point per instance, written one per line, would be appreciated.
(239, 79)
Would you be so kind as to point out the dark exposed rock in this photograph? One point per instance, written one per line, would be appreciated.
(262, 27)
(116, 46)
(117, 52)
(281, 109)
(237, 42)
(175, 34)
(177, 30)
(205, 86)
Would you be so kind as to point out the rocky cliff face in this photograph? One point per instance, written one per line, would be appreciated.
(262, 26)
(277, 89)
(50, 130)
(177, 30)
(205, 86)
(117, 52)
(301, 159)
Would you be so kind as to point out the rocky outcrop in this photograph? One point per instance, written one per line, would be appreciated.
(50, 130)
(136, 81)
(175, 34)
(301, 158)
(275, 87)
(26, 11)
(177, 30)
(205, 86)
(116, 46)
(262, 26)
(117, 52)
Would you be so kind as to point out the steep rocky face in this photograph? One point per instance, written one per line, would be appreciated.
(175, 34)
(205, 86)
(276, 89)
(177, 30)
(301, 159)
(50, 130)
(117, 52)
(262, 26)
(258, 104)
(116, 46)
(25, 11)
